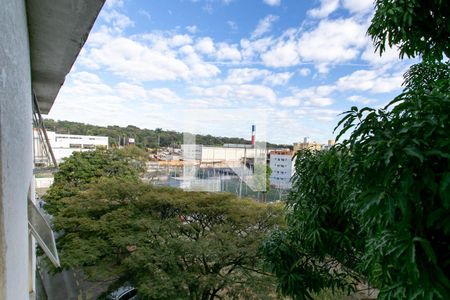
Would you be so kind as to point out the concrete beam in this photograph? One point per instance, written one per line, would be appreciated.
(57, 32)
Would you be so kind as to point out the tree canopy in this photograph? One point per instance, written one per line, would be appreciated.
(400, 162)
(417, 27)
(322, 244)
(82, 168)
(376, 207)
(168, 243)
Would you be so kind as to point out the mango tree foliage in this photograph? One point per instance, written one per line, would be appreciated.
(416, 27)
(168, 243)
(82, 168)
(322, 245)
(377, 206)
(399, 159)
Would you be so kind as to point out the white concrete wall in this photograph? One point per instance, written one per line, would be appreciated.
(15, 149)
(282, 170)
(62, 144)
(44, 182)
(210, 154)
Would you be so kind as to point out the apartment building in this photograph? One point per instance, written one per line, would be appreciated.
(282, 168)
(39, 43)
(307, 144)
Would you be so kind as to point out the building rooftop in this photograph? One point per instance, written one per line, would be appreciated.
(282, 152)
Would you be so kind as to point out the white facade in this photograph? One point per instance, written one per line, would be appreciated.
(282, 169)
(63, 145)
(207, 154)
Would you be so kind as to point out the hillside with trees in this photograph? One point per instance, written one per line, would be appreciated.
(143, 137)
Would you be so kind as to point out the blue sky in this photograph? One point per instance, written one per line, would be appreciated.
(219, 66)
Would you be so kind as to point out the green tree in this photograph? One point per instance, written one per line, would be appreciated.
(400, 161)
(261, 179)
(168, 243)
(82, 168)
(376, 207)
(417, 27)
(322, 245)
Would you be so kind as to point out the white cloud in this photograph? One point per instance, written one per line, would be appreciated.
(205, 45)
(264, 26)
(284, 54)
(197, 67)
(278, 78)
(272, 2)
(250, 49)
(290, 101)
(315, 96)
(239, 93)
(114, 3)
(245, 75)
(374, 81)
(304, 71)
(128, 58)
(390, 56)
(163, 94)
(326, 8)
(228, 52)
(333, 41)
(131, 91)
(145, 13)
(86, 77)
(116, 20)
(318, 114)
(149, 57)
(361, 99)
(321, 101)
(248, 75)
(192, 29)
(233, 25)
(358, 6)
(180, 40)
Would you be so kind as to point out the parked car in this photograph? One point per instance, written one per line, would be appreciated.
(124, 293)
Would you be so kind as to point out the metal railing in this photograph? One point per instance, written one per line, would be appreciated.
(44, 158)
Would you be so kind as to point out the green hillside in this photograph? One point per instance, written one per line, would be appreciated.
(143, 137)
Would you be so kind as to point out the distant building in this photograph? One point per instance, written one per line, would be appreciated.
(64, 145)
(282, 168)
(229, 153)
(307, 145)
(328, 145)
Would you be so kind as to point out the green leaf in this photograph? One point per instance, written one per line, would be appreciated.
(413, 151)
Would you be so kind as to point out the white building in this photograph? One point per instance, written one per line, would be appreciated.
(39, 43)
(282, 168)
(63, 145)
(226, 154)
